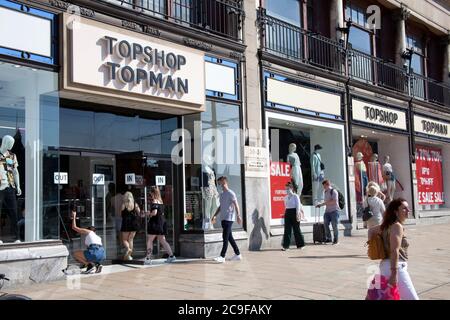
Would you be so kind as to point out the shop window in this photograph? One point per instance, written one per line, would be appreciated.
(314, 142)
(215, 153)
(28, 121)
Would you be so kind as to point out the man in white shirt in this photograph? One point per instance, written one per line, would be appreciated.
(292, 216)
(229, 212)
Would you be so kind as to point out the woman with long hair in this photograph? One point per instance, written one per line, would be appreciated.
(157, 226)
(130, 223)
(395, 266)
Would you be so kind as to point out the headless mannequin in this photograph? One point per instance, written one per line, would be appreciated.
(361, 177)
(375, 173)
(10, 183)
(318, 174)
(296, 170)
(389, 179)
(210, 196)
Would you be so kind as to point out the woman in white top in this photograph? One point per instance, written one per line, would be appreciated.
(292, 216)
(376, 206)
(95, 253)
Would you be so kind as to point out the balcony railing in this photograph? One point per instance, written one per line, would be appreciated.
(222, 17)
(428, 89)
(376, 71)
(291, 42)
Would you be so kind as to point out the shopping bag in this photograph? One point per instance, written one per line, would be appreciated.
(380, 289)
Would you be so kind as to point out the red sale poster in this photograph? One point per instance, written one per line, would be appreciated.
(429, 175)
(279, 176)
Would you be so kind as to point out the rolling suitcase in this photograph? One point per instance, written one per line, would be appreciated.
(318, 228)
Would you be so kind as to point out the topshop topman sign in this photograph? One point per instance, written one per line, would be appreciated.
(131, 65)
(378, 115)
(147, 57)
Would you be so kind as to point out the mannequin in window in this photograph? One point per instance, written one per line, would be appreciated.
(375, 172)
(361, 179)
(296, 170)
(210, 195)
(318, 173)
(389, 179)
(10, 183)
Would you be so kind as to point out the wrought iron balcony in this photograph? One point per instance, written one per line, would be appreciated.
(291, 42)
(376, 71)
(288, 41)
(221, 17)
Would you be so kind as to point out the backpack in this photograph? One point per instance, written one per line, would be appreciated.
(376, 250)
(341, 199)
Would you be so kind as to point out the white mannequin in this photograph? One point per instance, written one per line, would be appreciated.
(7, 144)
(9, 182)
(296, 170)
(389, 178)
(318, 174)
(210, 196)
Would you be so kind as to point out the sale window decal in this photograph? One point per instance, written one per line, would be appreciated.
(279, 176)
(429, 175)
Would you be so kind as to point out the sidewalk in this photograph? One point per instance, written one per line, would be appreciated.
(317, 272)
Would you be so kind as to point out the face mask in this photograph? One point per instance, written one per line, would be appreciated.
(220, 188)
(289, 190)
(9, 162)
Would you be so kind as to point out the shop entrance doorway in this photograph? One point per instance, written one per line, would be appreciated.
(130, 153)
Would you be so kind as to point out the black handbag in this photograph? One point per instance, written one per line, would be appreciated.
(367, 213)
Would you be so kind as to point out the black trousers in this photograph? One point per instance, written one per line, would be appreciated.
(290, 222)
(227, 236)
(8, 202)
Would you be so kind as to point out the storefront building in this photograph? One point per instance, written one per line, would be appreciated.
(97, 109)
(305, 119)
(381, 145)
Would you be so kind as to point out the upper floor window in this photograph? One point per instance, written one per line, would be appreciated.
(418, 57)
(286, 10)
(359, 37)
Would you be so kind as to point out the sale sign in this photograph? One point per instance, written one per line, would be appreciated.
(429, 175)
(279, 176)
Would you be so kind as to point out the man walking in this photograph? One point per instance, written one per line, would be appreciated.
(292, 217)
(229, 210)
(331, 204)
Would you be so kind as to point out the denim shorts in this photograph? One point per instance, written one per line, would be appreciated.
(94, 253)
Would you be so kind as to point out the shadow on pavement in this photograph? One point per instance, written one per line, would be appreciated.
(359, 256)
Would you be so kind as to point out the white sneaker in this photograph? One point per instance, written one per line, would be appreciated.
(147, 261)
(17, 241)
(171, 259)
(130, 258)
(1, 242)
(236, 257)
(219, 259)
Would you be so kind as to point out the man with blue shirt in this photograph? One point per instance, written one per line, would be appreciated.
(229, 211)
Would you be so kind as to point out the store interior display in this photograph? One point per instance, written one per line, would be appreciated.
(389, 179)
(318, 174)
(210, 196)
(361, 178)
